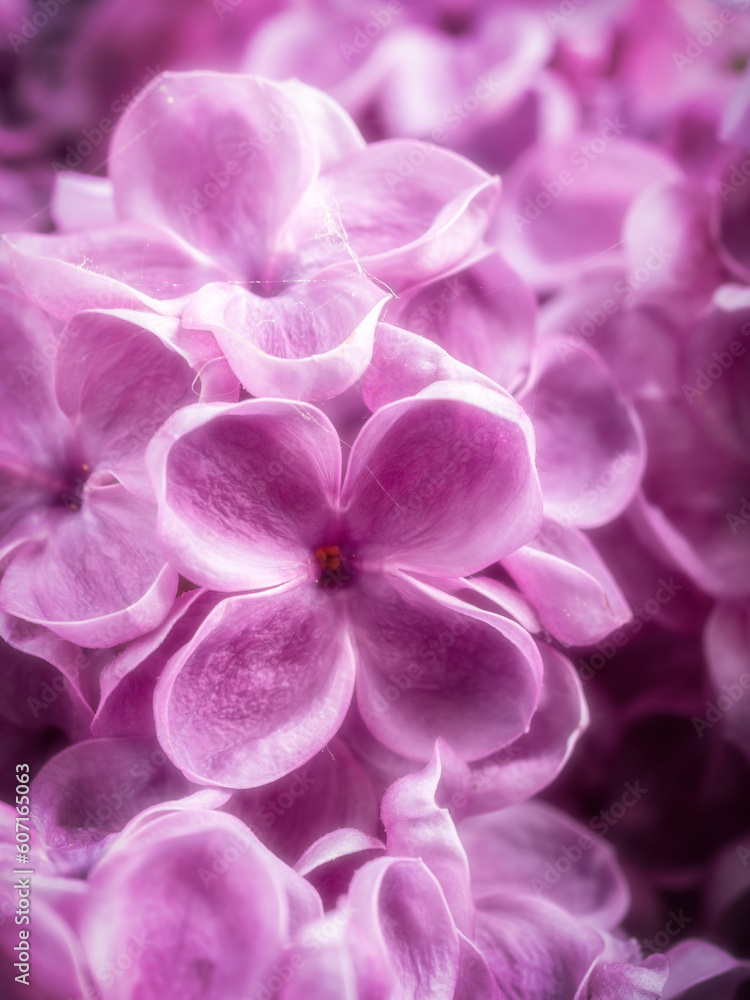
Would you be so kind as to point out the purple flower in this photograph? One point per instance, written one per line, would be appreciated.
(78, 520)
(264, 198)
(437, 486)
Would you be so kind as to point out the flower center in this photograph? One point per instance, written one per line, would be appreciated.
(329, 557)
(71, 492)
(335, 570)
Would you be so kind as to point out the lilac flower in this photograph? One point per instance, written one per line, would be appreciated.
(590, 458)
(78, 524)
(436, 486)
(283, 223)
(540, 897)
(210, 909)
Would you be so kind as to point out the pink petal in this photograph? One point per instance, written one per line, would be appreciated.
(127, 682)
(404, 363)
(727, 640)
(612, 980)
(93, 788)
(564, 207)
(475, 978)
(220, 159)
(182, 922)
(245, 491)
(562, 575)
(117, 383)
(492, 302)
(332, 861)
(336, 136)
(533, 948)
(537, 850)
(590, 448)
(431, 666)
(127, 266)
(418, 828)
(63, 577)
(262, 686)
(534, 760)
(696, 965)
(442, 481)
(310, 342)
(32, 427)
(671, 255)
(412, 212)
(328, 793)
(400, 909)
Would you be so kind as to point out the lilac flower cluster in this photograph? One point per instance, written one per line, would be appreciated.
(374, 501)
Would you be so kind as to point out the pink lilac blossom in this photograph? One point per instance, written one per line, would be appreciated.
(374, 500)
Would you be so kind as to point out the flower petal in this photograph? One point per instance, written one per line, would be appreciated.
(590, 447)
(492, 302)
(727, 640)
(412, 212)
(93, 788)
(330, 792)
(612, 980)
(533, 947)
(398, 906)
(443, 480)
(95, 575)
(117, 382)
(562, 575)
(418, 828)
(220, 159)
(245, 491)
(534, 760)
(310, 342)
(535, 849)
(404, 363)
(261, 687)
(564, 209)
(179, 922)
(431, 666)
(124, 267)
